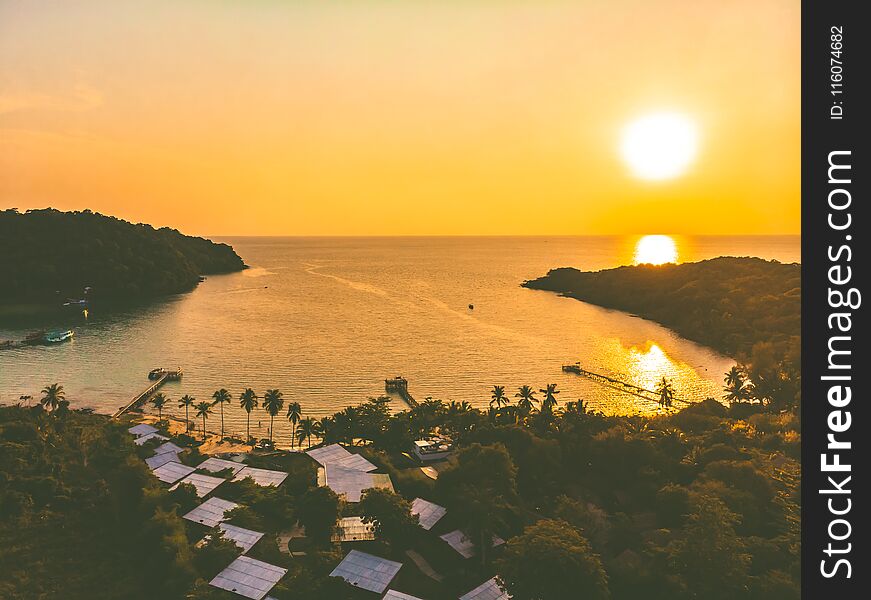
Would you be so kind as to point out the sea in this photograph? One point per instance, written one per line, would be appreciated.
(327, 320)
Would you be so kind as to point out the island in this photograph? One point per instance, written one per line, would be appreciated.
(48, 257)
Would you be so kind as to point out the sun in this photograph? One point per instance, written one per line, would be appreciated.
(659, 146)
(655, 250)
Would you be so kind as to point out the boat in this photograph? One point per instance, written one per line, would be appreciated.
(57, 336)
(575, 368)
(76, 303)
(471, 307)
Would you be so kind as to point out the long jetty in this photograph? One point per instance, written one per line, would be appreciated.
(158, 377)
(617, 384)
(399, 385)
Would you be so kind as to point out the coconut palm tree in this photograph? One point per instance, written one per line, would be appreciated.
(665, 391)
(248, 401)
(186, 402)
(307, 427)
(158, 401)
(550, 401)
(527, 398)
(204, 409)
(497, 397)
(273, 402)
(736, 385)
(52, 395)
(294, 414)
(221, 397)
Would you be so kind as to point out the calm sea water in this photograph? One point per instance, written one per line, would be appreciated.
(326, 320)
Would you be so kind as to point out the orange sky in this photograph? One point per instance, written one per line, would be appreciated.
(385, 117)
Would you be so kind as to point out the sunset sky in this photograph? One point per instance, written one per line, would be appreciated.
(386, 117)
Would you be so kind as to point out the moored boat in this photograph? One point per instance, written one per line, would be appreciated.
(57, 336)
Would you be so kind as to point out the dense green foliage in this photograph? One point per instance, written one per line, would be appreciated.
(700, 503)
(79, 512)
(731, 304)
(43, 252)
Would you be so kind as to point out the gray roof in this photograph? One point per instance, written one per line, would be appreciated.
(356, 462)
(203, 483)
(463, 545)
(328, 454)
(142, 429)
(168, 447)
(428, 512)
(489, 590)
(172, 472)
(211, 512)
(149, 436)
(249, 577)
(158, 460)
(219, 464)
(263, 477)
(351, 482)
(353, 529)
(394, 595)
(367, 571)
(244, 538)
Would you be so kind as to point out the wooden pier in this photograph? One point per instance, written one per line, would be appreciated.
(399, 385)
(158, 377)
(617, 384)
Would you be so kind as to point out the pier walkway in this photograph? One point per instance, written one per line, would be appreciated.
(158, 377)
(399, 385)
(618, 384)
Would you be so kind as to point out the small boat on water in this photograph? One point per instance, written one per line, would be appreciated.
(57, 336)
(575, 368)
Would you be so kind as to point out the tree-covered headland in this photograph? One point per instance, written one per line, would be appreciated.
(48, 255)
(748, 308)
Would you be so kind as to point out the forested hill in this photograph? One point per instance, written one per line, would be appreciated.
(43, 252)
(731, 304)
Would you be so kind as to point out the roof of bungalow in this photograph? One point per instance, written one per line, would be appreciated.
(489, 590)
(216, 465)
(248, 577)
(243, 538)
(172, 471)
(428, 512)
(367, 571)
(204, 484)
(158, 460)
(263, 477)
(394, 595)
(149, 436)
(460, 542)
(353, 529)
(168, 447)
(351, 483)
(328, 454)
(211, 512)
(142, 429)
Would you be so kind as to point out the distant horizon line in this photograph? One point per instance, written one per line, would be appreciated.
(490, 235)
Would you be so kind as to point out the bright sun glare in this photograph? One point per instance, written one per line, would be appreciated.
(659, 146)
(655, 250)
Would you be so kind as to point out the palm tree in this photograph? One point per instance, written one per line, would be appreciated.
(159, 401)
(248, 401)
(204, 409)
(497, 397)
(273, 403)
(736, 388)
(186, 402)
(294, 413)
(222, 397)
(527, 397)
(306, 428)
(550, 401)
(665, 391)
(52, 395)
